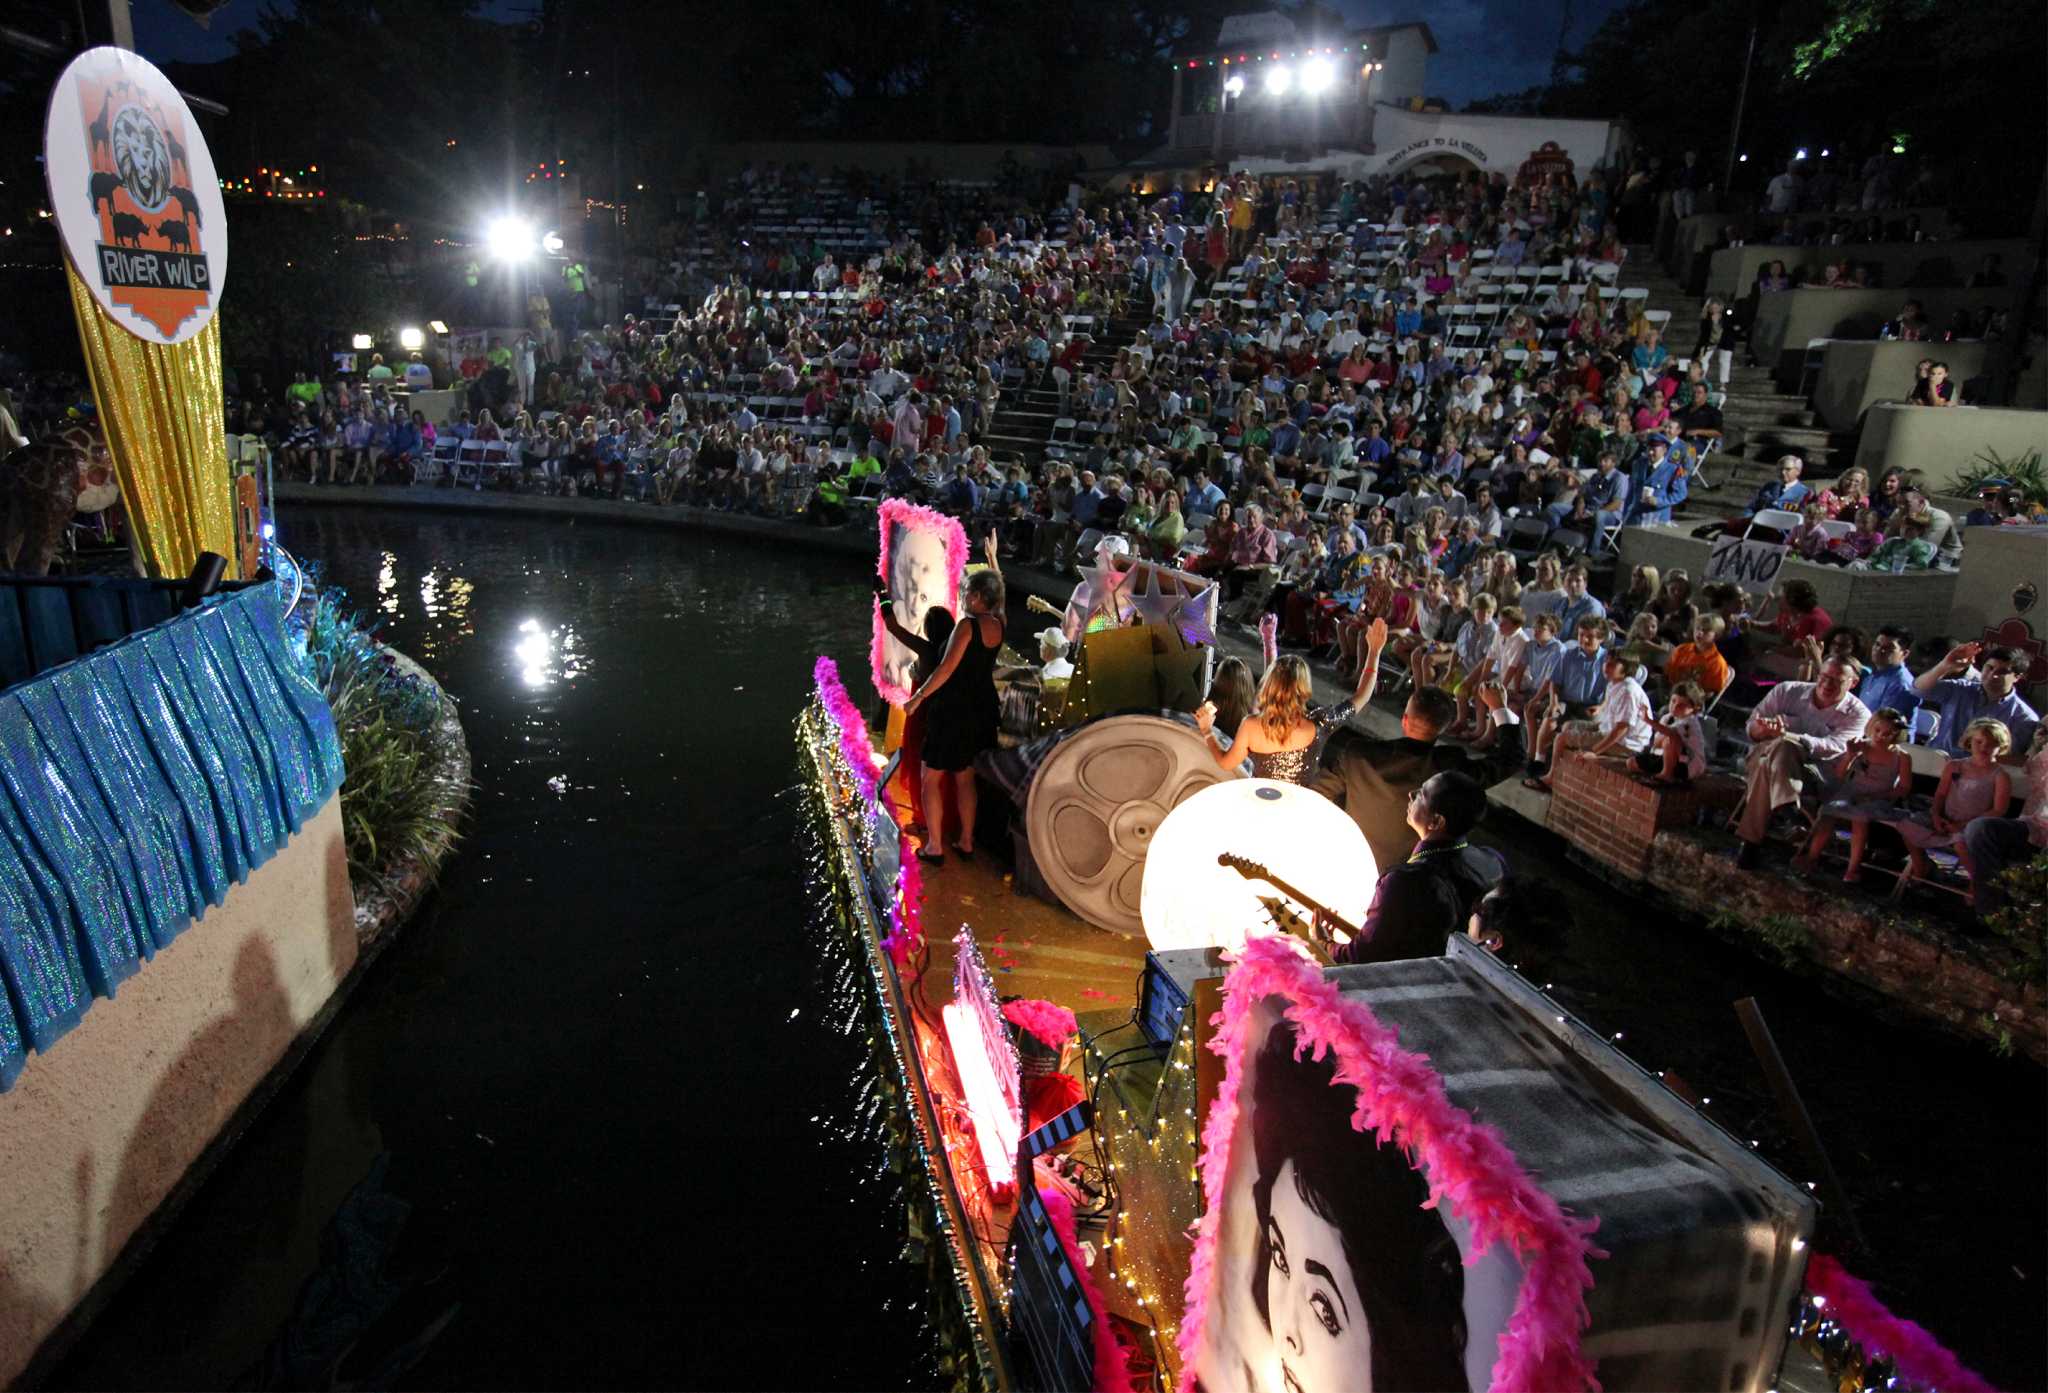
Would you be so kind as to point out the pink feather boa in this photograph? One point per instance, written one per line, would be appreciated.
(896, 513)
(906, 927)
(1050, 1024)
(1402, 1099)
(853, 727)
(1112, 1369)
(1921, 1359)
(1269, 638)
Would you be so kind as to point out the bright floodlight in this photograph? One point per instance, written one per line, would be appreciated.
(551, 243)
(509, 238)
(411, 340)
(1277, 80)
(1233, 86)
(1316, 76)
(360, 342)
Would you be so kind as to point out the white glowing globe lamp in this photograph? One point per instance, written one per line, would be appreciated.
(1317, 75)
(1189, 900)
(1277, 81)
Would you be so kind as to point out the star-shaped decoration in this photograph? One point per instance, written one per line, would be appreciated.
(1158, 600)
(1097, 591)
(1191, 616)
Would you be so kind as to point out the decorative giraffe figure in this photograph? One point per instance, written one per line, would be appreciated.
(39, 488)
(98, 129)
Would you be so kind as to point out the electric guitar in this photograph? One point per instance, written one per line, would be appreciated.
(1329, 929)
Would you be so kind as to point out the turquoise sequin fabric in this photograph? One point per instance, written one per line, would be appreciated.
(137, 785)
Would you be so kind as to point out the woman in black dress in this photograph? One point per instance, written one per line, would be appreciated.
(959, 700)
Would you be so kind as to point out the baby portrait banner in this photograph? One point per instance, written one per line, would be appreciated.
(924, 556)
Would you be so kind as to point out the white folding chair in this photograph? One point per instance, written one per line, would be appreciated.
(1783, 520)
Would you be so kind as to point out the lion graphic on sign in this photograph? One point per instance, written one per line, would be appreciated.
(142, 157)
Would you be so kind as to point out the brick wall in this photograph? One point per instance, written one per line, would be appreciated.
(1598, 807)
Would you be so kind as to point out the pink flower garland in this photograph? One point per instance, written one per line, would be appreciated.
(1921, 1359)
(896, 513)
(1401, 1098)
(1112, 1368)
(1050, 1024)
(906, 929)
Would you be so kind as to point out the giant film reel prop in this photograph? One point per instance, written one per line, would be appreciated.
(1097, 801)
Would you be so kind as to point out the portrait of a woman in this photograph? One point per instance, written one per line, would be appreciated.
(1346, 1283)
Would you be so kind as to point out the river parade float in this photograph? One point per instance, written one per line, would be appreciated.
(1152, 1138)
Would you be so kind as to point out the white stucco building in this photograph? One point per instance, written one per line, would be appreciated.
(1265, 95)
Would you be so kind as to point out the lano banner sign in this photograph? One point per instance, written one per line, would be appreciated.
(1751, 565)
(136, 196)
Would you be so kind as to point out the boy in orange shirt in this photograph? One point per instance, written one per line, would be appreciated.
(1701, 661)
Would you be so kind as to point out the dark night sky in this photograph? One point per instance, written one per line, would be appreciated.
(1489, 46)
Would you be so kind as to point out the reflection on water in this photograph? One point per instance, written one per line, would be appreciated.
(623, 1083)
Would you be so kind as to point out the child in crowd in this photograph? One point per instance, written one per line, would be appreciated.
(1872, 779)
(1909, 551)
(1621, 721)
(1700, 660)
(1970, 788)
(1680, 752)
(1537, 662)
(1509, 641)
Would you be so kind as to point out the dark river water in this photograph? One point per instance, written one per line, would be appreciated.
(608, 1068)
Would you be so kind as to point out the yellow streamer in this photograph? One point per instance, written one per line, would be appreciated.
(163, 413)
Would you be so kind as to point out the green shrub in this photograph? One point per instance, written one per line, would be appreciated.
(2024, 470)
(395, 805)
(2023, 922)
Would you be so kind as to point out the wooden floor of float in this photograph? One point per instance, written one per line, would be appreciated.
(1033, 948)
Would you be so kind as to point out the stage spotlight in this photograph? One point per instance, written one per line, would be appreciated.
(1233, 86)
(360, 342)
(1278, 79)
(411, 340)
(509, 238)
(1316, 76)
(437, 326)
(551, 243)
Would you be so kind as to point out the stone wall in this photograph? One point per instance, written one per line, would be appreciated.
(1920, 600)
(1922, 965)
(1941, 443)
(1857, 374)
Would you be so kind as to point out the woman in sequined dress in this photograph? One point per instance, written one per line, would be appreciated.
(1283, 732)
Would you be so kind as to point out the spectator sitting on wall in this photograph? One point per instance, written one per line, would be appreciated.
(1935, 387)
(1910, 327)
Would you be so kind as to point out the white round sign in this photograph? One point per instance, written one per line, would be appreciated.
(136, 196)
(1191, 900)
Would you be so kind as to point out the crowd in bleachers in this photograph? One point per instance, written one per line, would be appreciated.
(1428, 401)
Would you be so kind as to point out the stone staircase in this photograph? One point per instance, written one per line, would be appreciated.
(1761, 423)
(1024, 420)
